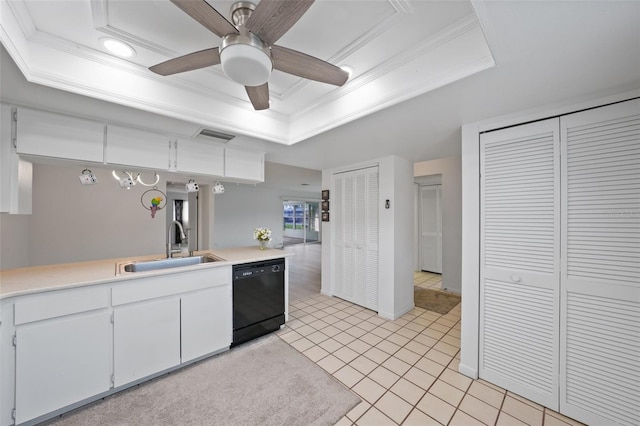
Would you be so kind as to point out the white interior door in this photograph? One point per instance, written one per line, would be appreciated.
(519, 272)
(600, 311)
(355, 226)
(431, 228)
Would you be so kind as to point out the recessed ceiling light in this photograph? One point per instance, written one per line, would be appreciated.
(118, 48)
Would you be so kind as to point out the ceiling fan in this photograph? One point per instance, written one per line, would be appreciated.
(248, 53)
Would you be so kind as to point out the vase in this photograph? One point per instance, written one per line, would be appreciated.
(263, 244)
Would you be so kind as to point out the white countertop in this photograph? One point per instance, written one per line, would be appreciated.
(35, 279)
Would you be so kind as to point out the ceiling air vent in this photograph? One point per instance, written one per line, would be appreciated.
(214, 135)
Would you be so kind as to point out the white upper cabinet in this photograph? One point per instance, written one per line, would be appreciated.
(137, 148)
(54, 135)
(193, 156)
(244, 165)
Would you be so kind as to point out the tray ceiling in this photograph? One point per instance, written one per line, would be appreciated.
(397, 50)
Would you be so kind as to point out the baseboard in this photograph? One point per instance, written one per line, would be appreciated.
(468, 371)
(326, 293)
(395, 315)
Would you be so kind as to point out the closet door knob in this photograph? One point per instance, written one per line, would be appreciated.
(515, 278)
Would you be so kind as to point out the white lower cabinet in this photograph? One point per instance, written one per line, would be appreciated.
(61, 361)
(60, 348)
(206, 322)
(146, 339)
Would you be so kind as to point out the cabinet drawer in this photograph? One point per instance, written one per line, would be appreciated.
(170, 284)
(57, 304)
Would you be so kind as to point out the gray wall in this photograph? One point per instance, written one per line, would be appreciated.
(73, 223)
(14, 241)
(451, 170)
(242, 208)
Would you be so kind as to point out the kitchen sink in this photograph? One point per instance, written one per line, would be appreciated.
(166, 263)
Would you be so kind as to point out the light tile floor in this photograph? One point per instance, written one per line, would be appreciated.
(405, 371)
(427, 280)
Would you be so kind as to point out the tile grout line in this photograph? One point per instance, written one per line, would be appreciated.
(432, 347)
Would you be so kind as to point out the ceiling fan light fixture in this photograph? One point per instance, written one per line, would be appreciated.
(245, 60)
(347, 68)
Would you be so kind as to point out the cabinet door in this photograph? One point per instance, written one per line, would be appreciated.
(55, 135)
(199, 157)
(146, 339)
(60, 362)
(206, 322)
(600, 310)
(244, 165)
(138, 148)
(519, 258)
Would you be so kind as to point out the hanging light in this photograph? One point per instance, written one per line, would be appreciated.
(126, 181)
(88, 178)
(192, 186)
(217, 188)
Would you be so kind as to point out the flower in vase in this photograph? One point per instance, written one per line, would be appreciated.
(262, 234)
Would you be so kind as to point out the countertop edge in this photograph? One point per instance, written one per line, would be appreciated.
(20, 282)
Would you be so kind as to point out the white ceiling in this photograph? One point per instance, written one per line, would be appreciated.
(545, 53)
(398, 49)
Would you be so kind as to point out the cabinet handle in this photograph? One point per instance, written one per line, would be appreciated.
(515, 278)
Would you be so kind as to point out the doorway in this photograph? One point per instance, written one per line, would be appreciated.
(301, 222)
(431, 228)
(183, 207)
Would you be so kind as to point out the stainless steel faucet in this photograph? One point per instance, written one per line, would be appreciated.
(182, 237)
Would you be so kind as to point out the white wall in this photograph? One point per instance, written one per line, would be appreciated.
(395, 268)
(400, 195)
(242, 208)
(450, 169)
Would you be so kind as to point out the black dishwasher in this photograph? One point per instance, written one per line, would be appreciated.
(258, 299)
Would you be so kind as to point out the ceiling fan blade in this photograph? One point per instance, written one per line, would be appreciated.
(259, 96)
(305, 66)
(210, 18)
(192, 61)
(273, 18)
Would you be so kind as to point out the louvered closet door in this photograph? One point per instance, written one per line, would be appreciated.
(600, 313)
(520, 218)
(355, 236)
(372, 202)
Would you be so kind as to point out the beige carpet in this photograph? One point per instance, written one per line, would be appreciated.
(263, 382)
(435, 300)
